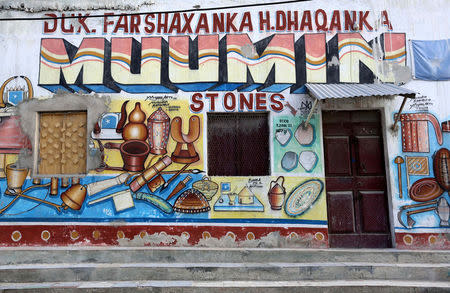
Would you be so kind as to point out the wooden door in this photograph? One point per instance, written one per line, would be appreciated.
(62, 143)
(355, 179)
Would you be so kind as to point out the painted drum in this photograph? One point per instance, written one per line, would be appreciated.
(303, 197)
(13, 138)
(425, 189)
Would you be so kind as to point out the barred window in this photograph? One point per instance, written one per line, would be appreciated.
(238, 144)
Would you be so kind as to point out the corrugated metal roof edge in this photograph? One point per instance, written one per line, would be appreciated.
(349, 90)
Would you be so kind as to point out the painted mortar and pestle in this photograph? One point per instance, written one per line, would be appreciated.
(134, 150)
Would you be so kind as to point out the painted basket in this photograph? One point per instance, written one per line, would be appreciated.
(207, 187)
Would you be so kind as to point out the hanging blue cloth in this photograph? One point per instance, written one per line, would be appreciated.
(431, 59)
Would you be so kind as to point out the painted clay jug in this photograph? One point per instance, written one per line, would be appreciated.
(135, 129)
(276, 193)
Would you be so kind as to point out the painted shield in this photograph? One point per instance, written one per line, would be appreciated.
(441, 168)
(303, 197)
(425, 189)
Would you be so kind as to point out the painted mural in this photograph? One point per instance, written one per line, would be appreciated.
(142, 167)
(296, 147)
(422, 175)
(152, 168)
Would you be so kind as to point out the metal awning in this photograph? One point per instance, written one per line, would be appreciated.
(322, 91)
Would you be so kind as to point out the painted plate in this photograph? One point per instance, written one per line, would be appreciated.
(302, 197)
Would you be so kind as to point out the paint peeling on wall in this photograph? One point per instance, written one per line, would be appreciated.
(271, 240)
(42, 5)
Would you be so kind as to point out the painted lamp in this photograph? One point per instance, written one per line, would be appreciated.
(158, 125)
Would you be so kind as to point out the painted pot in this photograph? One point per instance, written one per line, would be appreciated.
(15, 178)
(133, 152)
(277, 193)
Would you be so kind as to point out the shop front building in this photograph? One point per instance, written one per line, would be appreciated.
(290, 125)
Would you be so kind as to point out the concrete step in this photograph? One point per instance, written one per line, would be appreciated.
(221, 271)
(124, 268)
(385, 286)
(189, 255)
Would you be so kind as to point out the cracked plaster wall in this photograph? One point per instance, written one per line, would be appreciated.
(60, 102)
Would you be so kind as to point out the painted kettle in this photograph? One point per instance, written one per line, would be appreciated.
(277, 193)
